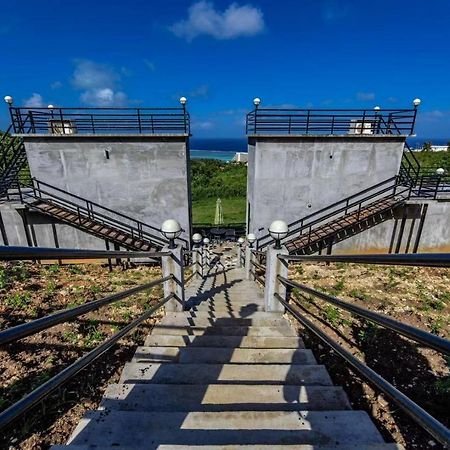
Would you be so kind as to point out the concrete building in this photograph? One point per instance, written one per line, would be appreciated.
(131, 165)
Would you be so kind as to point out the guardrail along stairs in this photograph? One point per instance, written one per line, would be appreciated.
(13, 159)
(225, 375)
(87, 216)
(343, 219)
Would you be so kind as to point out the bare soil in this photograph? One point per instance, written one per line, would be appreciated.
(29, 291)
(412, 295)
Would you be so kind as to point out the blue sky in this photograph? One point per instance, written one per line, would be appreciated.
(220, 54)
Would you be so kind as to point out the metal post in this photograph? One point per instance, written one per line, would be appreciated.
(274, 267)
(173, 265)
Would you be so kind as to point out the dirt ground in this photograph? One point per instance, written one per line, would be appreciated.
(412, 295)
(29, 291)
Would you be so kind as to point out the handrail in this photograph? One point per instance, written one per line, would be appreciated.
(43, 323)
(27, 402)
(346, 205)
(10, 253)
(135, 228)
(278, 121)
(78, 120)
(411, 259)
(415, 334)
(429, 423)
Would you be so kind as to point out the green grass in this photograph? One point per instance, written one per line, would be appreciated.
(203, 210)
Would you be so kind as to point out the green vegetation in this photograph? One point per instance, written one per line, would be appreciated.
(211, 179)
(19, 300)
(433, 159)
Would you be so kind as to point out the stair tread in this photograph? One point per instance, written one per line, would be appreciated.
(217, 397)
(215, 428)
(282, 374)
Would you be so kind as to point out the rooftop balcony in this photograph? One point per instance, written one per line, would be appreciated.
(104, 121)
(326, 122)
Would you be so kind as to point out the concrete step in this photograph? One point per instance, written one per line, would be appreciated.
(241, 447)
(219, 397)
(214, 355)
(243, 309)
(284, 374)
(223, 341)
(152, 429)
(175, 320)
(224, 331)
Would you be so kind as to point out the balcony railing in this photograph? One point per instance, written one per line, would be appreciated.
(68, 121)
(270, 121)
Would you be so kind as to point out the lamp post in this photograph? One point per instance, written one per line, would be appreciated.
(278, 230)
(416, 103)
(256, 102)
(275, 266)
(197, 239)
(240, 241)
(171, 229)
(377, 119)
(251, 238)
(172, 265)
(183, 101)
(9, 101)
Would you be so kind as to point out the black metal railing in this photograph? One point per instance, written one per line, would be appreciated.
(387, 189)
(421, 337)
(84, 208)
(67, 121)
(35, 326)
(272, 121)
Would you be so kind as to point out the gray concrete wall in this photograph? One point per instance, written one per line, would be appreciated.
(293, 176)
(144, 177)
(435, 237)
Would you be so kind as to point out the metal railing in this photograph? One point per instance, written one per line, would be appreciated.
(421, 337)
(68, 121)
(387, 189)
(35, 326)
(273, 121)
(84, 208)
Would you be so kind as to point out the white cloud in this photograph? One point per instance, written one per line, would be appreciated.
(233, 22)
(99, 83)
(35, 101)
(365, 96)
(202, 124)
(91, 75)
(104, 97)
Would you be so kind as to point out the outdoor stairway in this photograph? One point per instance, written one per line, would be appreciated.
(343, 227)
(92, 226)
(225, 375)
(13, 159)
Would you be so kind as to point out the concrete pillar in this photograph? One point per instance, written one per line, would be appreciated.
(239, 256)
(275, 267)
(197, 263)
(174, 265)
(248, 265)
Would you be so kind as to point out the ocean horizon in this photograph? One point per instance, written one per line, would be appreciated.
(224, 148)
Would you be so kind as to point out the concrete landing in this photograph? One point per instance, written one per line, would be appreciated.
(225, 375)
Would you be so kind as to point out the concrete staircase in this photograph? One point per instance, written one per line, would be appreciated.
(225, 375)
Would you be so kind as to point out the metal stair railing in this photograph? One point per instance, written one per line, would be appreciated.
(387, 189)
(18, 332)
(300, 312)
(83, 208)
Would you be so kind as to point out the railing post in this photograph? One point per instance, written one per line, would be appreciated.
(275, 267)
(173, 265)
(196, 263)
(239, 256)
(248, 261)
